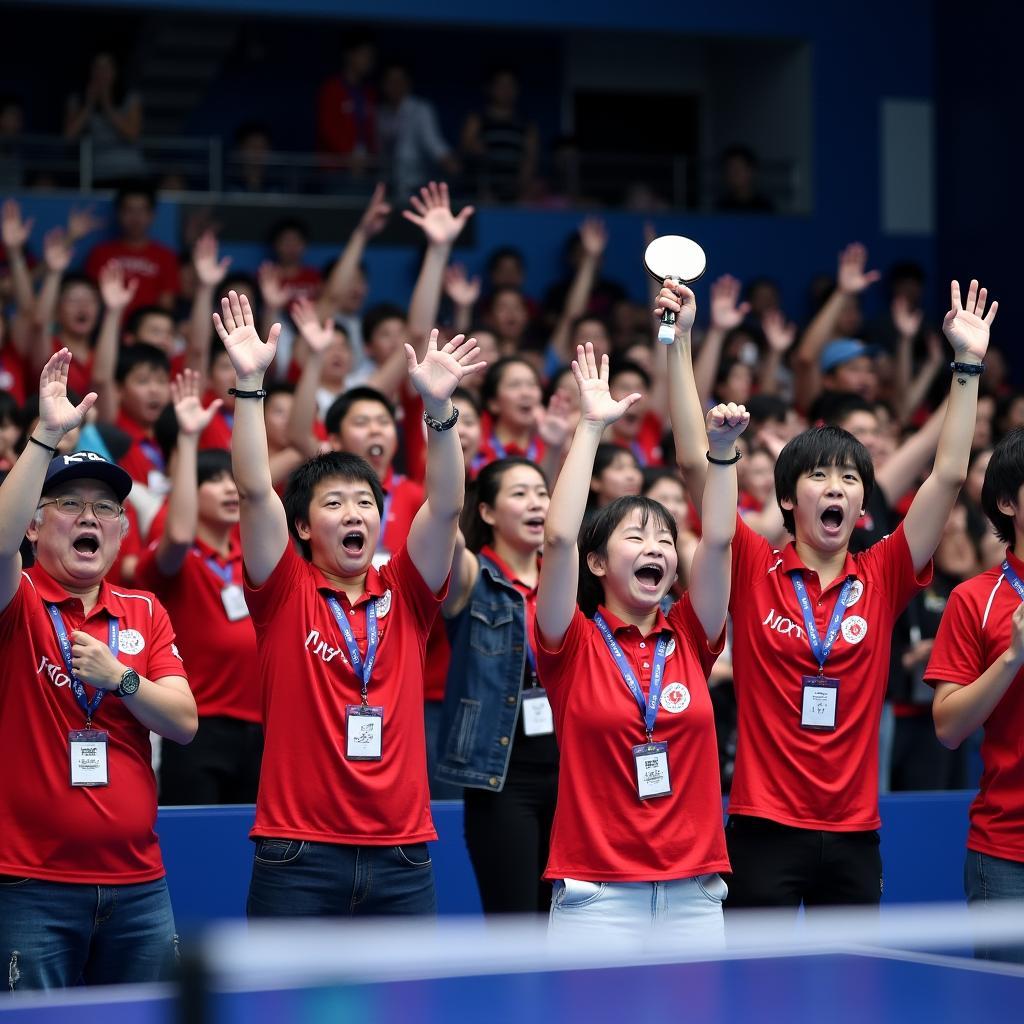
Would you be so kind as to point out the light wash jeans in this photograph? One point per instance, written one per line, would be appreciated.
(684, 910)
(989, 879)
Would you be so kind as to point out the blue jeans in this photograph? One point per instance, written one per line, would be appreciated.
(57, 934)
(293, 878)
(989, 879)
(677, 911)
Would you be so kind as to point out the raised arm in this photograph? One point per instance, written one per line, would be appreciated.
(432, 213)
(967, 328)
(264, 526)
(57, 255)
(19, 493)
(903, 469)
(959, 711)
(16, 233)
(209, 273)
(851, 280)
(465, 570)
(594, 241)
(116, 294)
(780, 334)
(431, 541)
(711, 569)
(343, 274)
(685, 408)
(179, 532)
(464, 292)
(727, 312)
(560, 568)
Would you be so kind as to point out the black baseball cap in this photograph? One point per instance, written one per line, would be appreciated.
(87, 466)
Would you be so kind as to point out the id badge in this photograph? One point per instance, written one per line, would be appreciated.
(537, 717)
(233, 599)
(364, 730)
(652, 770)
(820, 700)
(87, 750)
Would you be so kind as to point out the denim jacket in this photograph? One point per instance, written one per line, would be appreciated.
(484, 688)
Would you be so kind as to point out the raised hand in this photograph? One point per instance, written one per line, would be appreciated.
(209, 271)
(442, 369)
(967, 324)
(274, 293)
(82, 222)
(852, 278)
(778, 331)
(596, 403)
(376, 214)
(57, 251)
(318, 336)
(462, 290)
(905, 318)
(116, 293)
(236, 327)
(724, 423)
(727, 311)
(678, 298)
(432, 213)
(16, 231)
(186, 391)
(593, 237)
(56, 414)
(556, 422)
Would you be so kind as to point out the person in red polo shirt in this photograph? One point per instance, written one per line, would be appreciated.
(812, 630)
(89, 671)
(152, 265)
(975, 668)
(637, 841)
(195, 568)
(343, 812)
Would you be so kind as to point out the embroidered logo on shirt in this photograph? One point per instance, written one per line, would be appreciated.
(854, 629)
(675, 698)
(855, 594)
(383, 604)
(130, 641)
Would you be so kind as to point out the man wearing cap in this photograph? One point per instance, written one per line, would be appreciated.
(89, 671)
(848, 365)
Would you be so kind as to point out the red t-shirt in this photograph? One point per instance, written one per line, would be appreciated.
(308, 789)
(301, 282)
(491, 449)
(603, 832)
(220, 654)
(529, 593)
(646, 446)
(144, 461)
(152, 265)
(12, 373)
(804, 777)
(131, 548)
(402, 500)
(974, 633)
(218, 431)
(52, 830)
(79, 372)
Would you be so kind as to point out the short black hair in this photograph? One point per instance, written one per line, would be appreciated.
(140, 354)
(653, 475)
(76, 277)
(340, 407)
(303, 483)
(461, 394)
(484, 491)
(588, 318)
(819, 446)
(289, 224)
(504, 252)
(211, 464)
(835, 407)
(376, 315)
(134, 322)
(599, 526)
(279, 387)
(492, 377)
(1003, 479)
(767, 409)
(10, 411)
(138, 187)
(217, 349)
(621, 366)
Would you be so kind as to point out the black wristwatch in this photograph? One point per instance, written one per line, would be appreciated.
(129, 683)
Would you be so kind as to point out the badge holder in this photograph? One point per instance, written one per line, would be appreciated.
(537, 717)
(233, 599)
(364, 732)
(87, 754)
(652, 778)
(820, 703)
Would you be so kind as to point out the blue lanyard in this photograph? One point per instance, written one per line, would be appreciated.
(88, 706)
(223, 571)
(153, 453)
(1013, 579)
(362, 667)
(385, 512)
(648, 707)
(638, 454)
(818, 649)
(499, 449)
(229, 418)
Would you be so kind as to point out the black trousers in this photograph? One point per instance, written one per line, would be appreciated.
(508, 835)
(220, 766)
(777, 865)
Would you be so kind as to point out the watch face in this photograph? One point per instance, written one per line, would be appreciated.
(129, 683)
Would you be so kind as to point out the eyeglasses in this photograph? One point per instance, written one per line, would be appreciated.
(102, 509)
